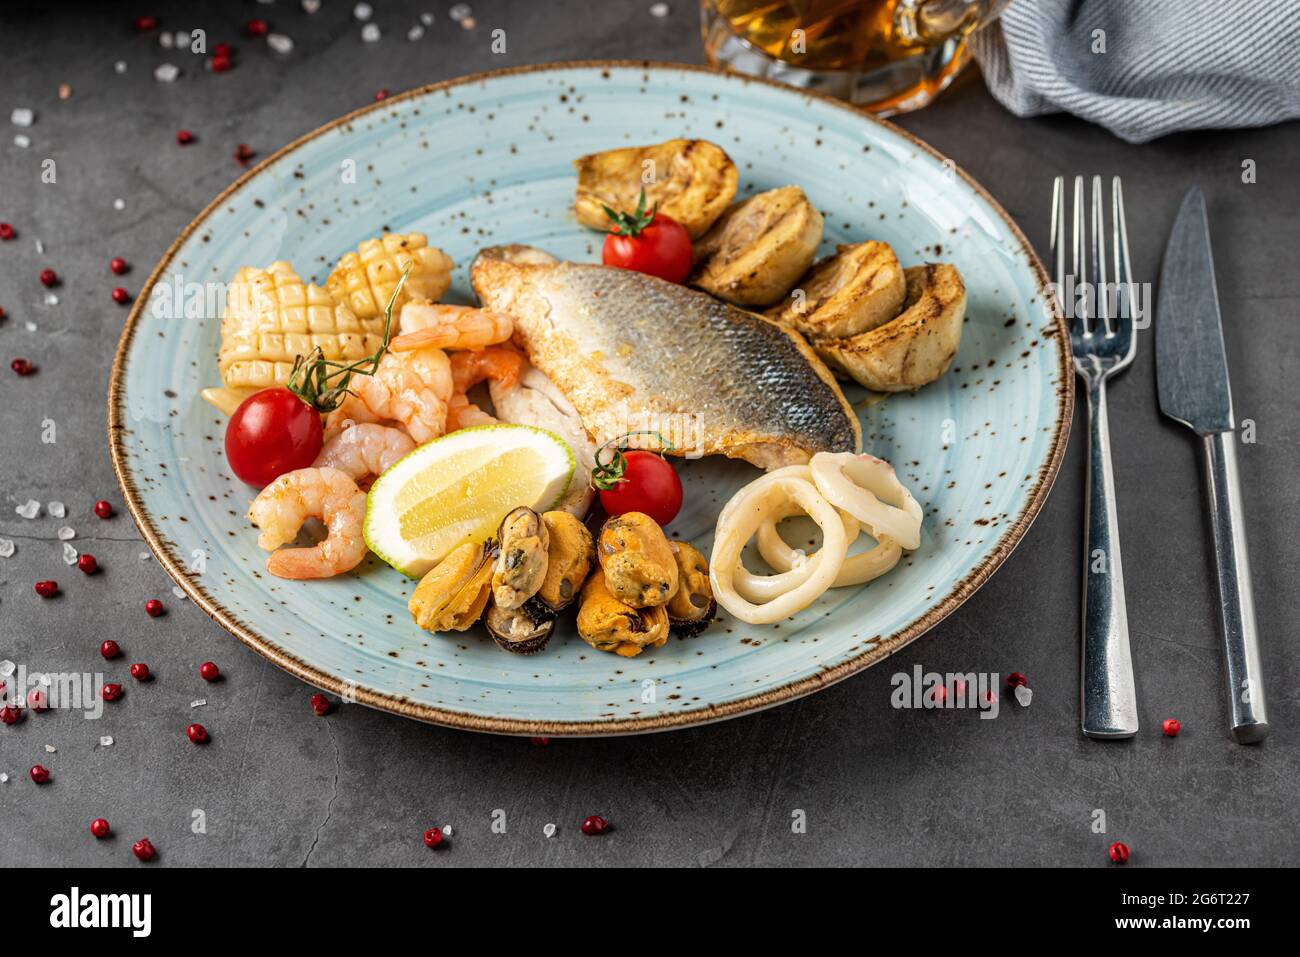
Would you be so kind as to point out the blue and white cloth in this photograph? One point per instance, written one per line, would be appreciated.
(1146, 68)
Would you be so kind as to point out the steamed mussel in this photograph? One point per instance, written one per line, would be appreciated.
(692, 607)
(453, 594)
(609, 624)
(522, 631)
(570, 558)
(522, 562)
(639, 567)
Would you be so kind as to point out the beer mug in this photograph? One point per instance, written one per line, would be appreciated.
(889, 56)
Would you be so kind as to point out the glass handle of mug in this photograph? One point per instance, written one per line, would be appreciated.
(930, 22)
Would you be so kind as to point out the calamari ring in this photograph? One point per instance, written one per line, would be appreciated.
(791, 574)
(763, 588)
(856, 570)
(739, 521)
(868, 489)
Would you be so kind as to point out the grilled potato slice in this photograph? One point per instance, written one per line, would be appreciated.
(760, 247)
(693, 182)
(913, 349)
(859, 288)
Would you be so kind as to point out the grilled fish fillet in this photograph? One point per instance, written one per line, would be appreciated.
(633, 352)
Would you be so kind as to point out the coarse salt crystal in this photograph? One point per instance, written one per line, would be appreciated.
(415, 33)
(659, 10)
(549, 830)
(29, 326)
(446, 830)
(22, 140)
(178, 592)
(119, 204)
(182, 39)
(43, 680)
(4, 778)
(6, 547)
(51, 299)
(280, 43)
(29, 509)
(106, 741)
(426, 19)
(370, 33)
(40, 247)
(166, 40)
(166, 72)
(362, 11)
(460, 11)
(56, 509)
(69, 554)
(1024, 695)
(22, 116)
(119, 66)
(51, 749)
(198, 702)
(7, 667)
(66, 533)
(311, 6)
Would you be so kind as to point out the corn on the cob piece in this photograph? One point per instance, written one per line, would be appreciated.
(272, 317)
(224, 400)
(365, 279)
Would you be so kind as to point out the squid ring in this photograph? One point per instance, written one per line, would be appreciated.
(868, 489)
(742, 518)
(793, 571)
(763, 588)
(856, 570)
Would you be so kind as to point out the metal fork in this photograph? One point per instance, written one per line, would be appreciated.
(1103, 344)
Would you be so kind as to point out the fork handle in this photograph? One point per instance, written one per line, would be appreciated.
(1237, 603)
(1109, 699)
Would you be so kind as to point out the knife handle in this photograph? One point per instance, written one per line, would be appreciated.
(1107, 688)
(1237, 603)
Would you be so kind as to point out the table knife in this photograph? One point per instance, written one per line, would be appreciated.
(1192, 372)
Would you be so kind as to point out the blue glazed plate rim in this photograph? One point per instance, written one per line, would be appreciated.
(963, 589)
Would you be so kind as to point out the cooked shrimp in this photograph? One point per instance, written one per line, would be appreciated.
(365, 450)
(464, 414)
(427, 324)
(324, 493)
(350, 412)
(410, 388)
(497, 363)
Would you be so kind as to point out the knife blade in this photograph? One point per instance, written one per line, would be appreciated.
(1191, 366)
(1192, 377)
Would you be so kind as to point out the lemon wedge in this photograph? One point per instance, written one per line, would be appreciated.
(457, 489)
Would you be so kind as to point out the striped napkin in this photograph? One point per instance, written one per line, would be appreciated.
(1145, 68)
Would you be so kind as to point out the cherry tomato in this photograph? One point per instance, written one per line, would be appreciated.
(272, 432)
(648, 242)
(649, 484)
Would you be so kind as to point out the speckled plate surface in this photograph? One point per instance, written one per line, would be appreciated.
(487, 159)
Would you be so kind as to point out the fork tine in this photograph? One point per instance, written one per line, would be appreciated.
(1058, 240)
(1123, 267)
(1097, 288)
(1079, 263)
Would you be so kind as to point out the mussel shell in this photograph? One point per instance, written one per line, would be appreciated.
(690, 627)
(541, 622)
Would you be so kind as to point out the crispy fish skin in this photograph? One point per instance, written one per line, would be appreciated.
(634, 352)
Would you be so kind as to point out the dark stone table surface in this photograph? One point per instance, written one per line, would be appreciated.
(278, 786)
